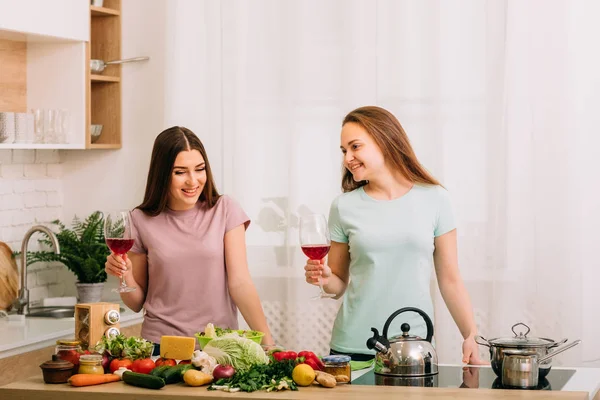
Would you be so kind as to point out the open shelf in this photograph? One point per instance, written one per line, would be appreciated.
(104, 146)
(104, 90)
(103, 12)
(102, 78)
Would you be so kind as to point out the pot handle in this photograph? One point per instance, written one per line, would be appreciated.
(559, 350)
(414, 309)
(482, 341)
(562, 341)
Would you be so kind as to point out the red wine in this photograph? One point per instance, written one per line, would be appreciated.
(315, 251)
(120, 246)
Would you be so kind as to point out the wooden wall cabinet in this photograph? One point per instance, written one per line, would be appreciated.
(45, 63)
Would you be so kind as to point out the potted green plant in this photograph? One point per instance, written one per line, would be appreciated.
(83, 251)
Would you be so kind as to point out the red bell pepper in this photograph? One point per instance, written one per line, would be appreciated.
(309, 355)
(285, 355)
(312, 363)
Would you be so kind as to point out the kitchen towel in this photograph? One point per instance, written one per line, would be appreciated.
(358, 365)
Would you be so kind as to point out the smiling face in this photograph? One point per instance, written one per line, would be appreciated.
(187, 180)
(362, 157)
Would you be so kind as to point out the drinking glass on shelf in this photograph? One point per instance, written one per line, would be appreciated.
(50, 119)
(38, 125)
(64, 126)
(119, 238)
(315, 242)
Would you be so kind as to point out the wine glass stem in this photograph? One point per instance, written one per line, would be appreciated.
(123, 283)
(321, 286)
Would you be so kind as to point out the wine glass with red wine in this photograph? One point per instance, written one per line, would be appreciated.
(119, 239)
(315, 242)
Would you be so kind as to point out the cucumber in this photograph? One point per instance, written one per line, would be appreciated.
(175, 374)
(143, 380)
(159, 371)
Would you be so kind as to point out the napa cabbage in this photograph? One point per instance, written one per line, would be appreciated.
(239, 352)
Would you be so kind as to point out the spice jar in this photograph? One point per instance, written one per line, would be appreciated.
(69, 350)
(56, 370)
(91, 364)
(337, 365)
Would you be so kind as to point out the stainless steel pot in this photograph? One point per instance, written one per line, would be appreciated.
(97, 66)
(521, 368)
(540, 346)
(405, 355)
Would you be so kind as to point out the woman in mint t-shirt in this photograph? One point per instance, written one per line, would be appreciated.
(389, 228)
(188, 263)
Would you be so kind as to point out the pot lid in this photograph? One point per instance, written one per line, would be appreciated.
(521, 339)
(56, 364)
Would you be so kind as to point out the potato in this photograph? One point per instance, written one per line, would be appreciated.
(194, 377)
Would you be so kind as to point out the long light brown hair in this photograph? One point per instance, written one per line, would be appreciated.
(167, 145)
(393, 142)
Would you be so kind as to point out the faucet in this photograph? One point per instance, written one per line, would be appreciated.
(22, 302)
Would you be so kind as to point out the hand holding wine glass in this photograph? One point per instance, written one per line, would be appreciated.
(315, 242)
(118, 237)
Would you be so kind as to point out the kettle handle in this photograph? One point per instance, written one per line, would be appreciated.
(405, 309)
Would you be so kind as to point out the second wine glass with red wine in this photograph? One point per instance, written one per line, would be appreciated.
(315, 242)
(119, 239)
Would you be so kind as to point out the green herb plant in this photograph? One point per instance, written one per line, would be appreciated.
(82, 248)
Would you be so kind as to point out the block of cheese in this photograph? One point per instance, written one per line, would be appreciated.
(177, 347)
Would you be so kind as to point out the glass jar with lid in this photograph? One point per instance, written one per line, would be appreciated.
(91, 364)
(337, 365)
(69, 350)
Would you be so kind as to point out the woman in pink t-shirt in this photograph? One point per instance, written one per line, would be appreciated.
(188, 263)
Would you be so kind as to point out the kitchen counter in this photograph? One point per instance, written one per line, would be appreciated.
(35, 333)
(583, 386)
(34, 388)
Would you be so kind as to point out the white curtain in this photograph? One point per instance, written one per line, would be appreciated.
(499, 98)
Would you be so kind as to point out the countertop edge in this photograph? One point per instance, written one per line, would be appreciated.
(50, 339)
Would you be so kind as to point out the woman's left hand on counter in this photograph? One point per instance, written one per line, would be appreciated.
(470, 350)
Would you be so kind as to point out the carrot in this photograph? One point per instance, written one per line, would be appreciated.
(92, 379)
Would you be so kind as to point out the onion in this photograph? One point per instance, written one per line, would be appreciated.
(223, 371)
(106, 361)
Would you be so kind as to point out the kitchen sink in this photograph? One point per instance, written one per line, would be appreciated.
(55, 312)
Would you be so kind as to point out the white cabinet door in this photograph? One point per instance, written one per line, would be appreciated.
(64, 19)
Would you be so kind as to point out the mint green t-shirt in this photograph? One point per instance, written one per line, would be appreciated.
(391, 247)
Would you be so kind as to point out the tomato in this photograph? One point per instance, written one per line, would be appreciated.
(166, 361)
(120, 362)
(143, 366)
(185, 362)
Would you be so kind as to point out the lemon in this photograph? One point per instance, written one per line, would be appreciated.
(303, 374)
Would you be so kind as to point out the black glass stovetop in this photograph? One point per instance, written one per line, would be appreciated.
(471, 377)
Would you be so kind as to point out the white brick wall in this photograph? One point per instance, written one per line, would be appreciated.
(31, 193)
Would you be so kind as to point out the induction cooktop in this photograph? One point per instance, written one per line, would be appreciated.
(471, 377)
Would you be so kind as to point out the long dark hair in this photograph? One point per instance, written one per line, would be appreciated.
(167, 145)
(393, 142)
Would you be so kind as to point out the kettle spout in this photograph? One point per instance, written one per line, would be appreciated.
(378, 342)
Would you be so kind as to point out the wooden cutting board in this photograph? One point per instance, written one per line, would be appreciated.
(9, 278)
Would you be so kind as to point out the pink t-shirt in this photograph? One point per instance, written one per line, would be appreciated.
(187, 279)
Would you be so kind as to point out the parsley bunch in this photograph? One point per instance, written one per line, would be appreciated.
(273, 376)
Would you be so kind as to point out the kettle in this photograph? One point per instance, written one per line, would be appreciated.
(404, 355)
